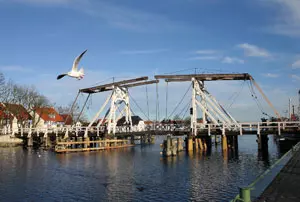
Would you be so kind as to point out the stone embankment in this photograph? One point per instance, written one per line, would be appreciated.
(9, 141)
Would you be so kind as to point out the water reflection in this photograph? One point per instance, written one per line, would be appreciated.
(263, 155)
(132, 174)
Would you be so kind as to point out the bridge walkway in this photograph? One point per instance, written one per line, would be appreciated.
(285, 187)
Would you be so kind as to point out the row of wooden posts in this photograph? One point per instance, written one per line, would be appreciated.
(84, 143)
(171, 146)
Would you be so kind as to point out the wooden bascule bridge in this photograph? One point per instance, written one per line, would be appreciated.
(217, 121)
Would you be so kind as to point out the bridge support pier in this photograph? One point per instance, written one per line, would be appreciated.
(47, 141)
(86, 139)
(79, 139)
(208, 142)
(189, 143)
(200, 144)
(262, 142)
(152, 139)
(196, 145)
(30, 141)
(132, 139)
(143, 139)
(232, 142)
(179, 144)
(167, 149)
(224, 143)
(216, 140)
(171, 146)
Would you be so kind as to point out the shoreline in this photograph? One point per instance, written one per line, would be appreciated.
(8, 141)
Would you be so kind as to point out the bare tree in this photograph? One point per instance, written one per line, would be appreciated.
(29, 98)
(177, 118)
(187, 121)
(2, 86)
(15, 96)
(34, 101)
(75, 114)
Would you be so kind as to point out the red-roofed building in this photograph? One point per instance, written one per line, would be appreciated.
(67, 119)
(148, 122)
(14, 115)
(47, 117)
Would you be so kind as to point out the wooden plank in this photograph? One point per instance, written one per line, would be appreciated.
(105, 87)
(204, 77)
(140, 83)
(87, 142)
(92, 149)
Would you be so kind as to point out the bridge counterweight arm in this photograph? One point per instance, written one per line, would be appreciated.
(265, 97)
(203, 77)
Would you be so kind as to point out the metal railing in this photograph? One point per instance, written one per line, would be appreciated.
(241, 128)
(251, 126)
(245, 192)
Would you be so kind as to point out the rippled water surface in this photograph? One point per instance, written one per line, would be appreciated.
(131, 174)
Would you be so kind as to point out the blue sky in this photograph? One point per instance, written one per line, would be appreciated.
(40, 38)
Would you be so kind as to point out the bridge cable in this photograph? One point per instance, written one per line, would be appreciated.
(258, 101)
(166, 100)
(157, 103)
(237, 95)
(89, 105)
(187, 109)
(147, 100)
(253, 94)
(184, 107)
(179, 103)
(83, 108)
(138, 106)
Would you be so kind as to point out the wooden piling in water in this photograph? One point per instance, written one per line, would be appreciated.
(224, 143)
(189, 143)
(204, 145)
(196, 146)
(200, 144)
(262, 141)
(179, 144)
(30, 141)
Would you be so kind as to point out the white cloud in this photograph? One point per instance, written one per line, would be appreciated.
(232, 60)
(205, 58)
(15, 68)
(206, 52)
(296, 64)
(270, 75)
(295, 77)
(136, 52)
(43, 2)
(254, 51)
(114, 14)
(287, 17)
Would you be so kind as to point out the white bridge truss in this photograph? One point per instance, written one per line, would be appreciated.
(118, 96)
(210, 108)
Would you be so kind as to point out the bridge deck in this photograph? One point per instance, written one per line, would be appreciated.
(285, 187)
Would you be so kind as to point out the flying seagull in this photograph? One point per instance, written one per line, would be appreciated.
(74, 72)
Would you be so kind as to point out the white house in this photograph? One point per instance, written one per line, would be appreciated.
(47, 117)
(14, 116)
(137, 124)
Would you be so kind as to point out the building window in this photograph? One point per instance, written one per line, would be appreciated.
(52, 116)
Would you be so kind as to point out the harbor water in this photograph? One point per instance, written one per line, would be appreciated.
(139, 173)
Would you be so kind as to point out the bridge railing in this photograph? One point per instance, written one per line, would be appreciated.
(251, 126)
(242, 127)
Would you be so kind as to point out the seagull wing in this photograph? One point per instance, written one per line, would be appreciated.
(61, 76)
(76, 61)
